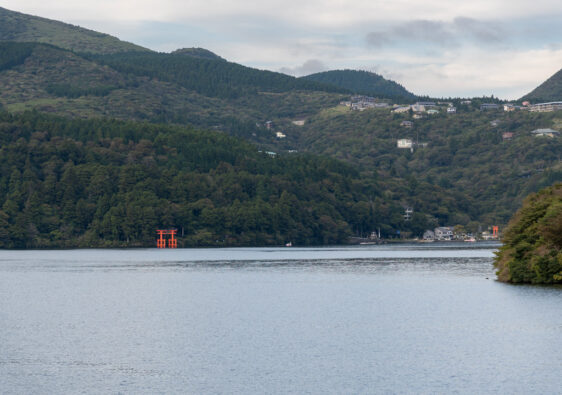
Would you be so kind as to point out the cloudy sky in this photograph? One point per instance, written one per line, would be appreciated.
(434, 47)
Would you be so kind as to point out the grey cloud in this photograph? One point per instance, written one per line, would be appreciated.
(442, 34)
(311, 66)
(479, 30)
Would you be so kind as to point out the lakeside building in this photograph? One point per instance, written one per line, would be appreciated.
(443, 233)
(451, 110)
(429, 235)
(546, 107)
(407, 124)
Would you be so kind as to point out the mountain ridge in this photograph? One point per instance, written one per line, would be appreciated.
(19, 27)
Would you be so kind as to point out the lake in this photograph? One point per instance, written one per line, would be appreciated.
(405, 318)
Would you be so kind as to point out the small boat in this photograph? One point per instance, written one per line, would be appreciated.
(289, 244)
(470, 240)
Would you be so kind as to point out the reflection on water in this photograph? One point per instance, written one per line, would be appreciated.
(376, 319)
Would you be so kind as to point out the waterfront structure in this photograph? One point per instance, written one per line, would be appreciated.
(443, 233)
(429, 235)
(163, 242)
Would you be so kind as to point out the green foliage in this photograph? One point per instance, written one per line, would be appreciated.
(96, 183)
(210, 77)
(532, 250)
(362, 82)
(13, 54)
(467, 172)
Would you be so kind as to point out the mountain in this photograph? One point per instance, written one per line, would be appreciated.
(15, 26)
(362, 82)
(550, 90)
(155, 87)
(200, 53)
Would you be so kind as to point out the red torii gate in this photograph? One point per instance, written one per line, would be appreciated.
(161, 241)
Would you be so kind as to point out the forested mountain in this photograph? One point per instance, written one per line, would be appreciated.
(210, 77)
(70, 183)
(15, 26)
(464, 153)
(550, 90)
(362, 82)
(158, 87)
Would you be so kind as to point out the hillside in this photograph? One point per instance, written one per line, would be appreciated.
(550, 90)
(532, 250)
(158, 87)
(463, 153)
(362, 82)
(15, 26)
(102, 183)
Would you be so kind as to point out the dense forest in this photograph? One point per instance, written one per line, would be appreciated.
(94, 183)
(209, 77)
(465, 154)
(364, 83)
(532, 250)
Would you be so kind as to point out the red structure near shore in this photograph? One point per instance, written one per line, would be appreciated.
(163, 242)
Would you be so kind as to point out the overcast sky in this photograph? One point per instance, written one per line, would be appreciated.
(434, 47)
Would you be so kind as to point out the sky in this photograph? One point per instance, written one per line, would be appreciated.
(440, 48)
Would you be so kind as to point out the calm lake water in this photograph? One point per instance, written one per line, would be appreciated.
(370, 319)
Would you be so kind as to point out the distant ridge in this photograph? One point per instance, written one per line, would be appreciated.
(362, 82)
(15, 26)
(550, 90)
(200, 53)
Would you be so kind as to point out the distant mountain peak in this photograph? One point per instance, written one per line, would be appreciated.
(200, 53)
(362, 82)
(550, 90)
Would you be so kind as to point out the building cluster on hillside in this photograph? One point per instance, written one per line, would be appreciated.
(360, 103)
(448, 233)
